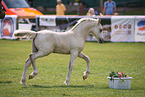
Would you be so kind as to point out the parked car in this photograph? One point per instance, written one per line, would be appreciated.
(21, 8)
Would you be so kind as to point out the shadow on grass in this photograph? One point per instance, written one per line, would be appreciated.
(8, 82)
(15, 68)
(70, 86)
(63, 86)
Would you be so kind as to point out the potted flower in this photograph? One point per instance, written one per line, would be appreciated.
(119, 80)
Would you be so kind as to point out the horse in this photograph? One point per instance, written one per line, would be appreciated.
(70, 42)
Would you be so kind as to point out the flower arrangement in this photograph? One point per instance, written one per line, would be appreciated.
(119, 80)
(117, 75)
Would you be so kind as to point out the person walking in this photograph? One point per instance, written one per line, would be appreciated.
(109, 8)
(60, 8)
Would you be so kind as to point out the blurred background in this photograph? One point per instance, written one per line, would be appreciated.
(124, 7)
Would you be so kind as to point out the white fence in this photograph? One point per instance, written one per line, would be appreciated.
(115, 28)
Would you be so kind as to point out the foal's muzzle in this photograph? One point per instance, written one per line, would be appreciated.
(101, 40)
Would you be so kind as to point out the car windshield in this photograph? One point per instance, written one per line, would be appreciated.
(16, 3)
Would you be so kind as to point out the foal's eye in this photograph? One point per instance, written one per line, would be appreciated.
(100, 30)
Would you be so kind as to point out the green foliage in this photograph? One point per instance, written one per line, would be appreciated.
(113, 74)
(52, 71)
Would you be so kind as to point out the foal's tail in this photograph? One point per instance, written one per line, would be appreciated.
(25, 33)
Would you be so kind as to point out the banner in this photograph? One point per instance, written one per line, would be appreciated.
(7, 26)
(47, 20)
(122, 28)
(140, 29)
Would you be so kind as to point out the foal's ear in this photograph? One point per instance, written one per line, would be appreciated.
(99, 21)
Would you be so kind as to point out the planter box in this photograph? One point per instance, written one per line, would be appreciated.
(120, 83)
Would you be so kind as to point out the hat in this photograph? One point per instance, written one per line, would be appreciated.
(91, 9)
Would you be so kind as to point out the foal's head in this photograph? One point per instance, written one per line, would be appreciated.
(97, 31)
(93, 26)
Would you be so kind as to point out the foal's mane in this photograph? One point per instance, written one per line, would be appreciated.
(82, 20)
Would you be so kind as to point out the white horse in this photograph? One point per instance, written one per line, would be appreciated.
(69, 42)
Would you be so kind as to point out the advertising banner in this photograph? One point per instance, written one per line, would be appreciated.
(122, 28)
(7, 27)
(140, 29)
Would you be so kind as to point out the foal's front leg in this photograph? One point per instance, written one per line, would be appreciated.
(86, 58)
(74, 55)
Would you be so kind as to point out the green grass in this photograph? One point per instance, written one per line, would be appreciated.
(52, 71)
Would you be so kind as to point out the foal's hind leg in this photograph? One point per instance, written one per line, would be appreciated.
(30, 60)
(86, 58)
(33, 57)
(27, 65)
(35, 72)
(34, 50)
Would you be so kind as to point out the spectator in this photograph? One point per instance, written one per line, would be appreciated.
(96, 13)
(109, 8)
(81, 8)
(2, 13)
(91, 12)
(60, 8)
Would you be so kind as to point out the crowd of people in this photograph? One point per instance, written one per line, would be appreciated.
(109, 9)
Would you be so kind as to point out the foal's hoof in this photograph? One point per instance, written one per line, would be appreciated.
(23, 82)
(31, 76)
(66, 82)
(84, 77)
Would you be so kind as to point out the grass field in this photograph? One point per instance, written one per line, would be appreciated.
(52, 71)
